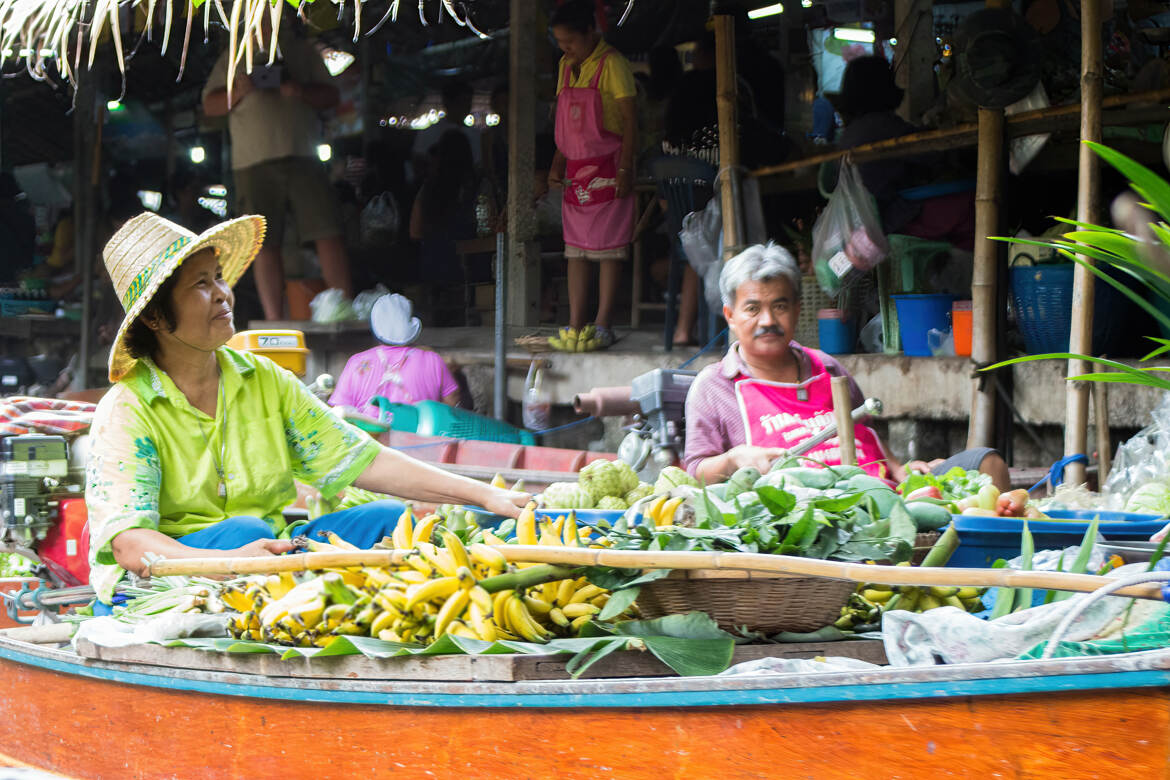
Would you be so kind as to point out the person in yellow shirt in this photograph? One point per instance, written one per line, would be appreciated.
(596, 134)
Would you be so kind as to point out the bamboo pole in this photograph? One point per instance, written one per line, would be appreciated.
(843, 411)
(1076, 414)
(988, 188)
(726, 103)
(659, 559)
(1041, 120)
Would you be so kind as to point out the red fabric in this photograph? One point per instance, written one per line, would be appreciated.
(784, 415)
(25, 414)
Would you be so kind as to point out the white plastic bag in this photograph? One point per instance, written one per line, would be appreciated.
(847, 236)
(702, 243)
(379, 221)
(363, 302)
(332, 306)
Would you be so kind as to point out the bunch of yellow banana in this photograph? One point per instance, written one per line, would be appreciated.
(663, 510)
(573, 340)
(923, 599)
(463, 590)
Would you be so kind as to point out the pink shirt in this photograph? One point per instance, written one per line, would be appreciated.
(713, 420)
(400, 374)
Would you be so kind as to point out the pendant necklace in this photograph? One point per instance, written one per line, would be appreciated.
(221, 488)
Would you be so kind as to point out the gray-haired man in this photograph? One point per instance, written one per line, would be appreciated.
(769, 393)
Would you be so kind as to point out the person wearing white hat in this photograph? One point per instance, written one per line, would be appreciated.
(394, 370)
(196, 446)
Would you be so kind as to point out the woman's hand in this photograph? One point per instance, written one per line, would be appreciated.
(506, 502)
(262, 547)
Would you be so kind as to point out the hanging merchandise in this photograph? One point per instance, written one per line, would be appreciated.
(847, 236)
(537, 410)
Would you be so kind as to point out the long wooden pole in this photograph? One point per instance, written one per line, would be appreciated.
(648, 559)
(522, 286)
(1101, 412)
(843, 412)
(727, 105)
(1041, 120)
(1080, 342)
(988, 188)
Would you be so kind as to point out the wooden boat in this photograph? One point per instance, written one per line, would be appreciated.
(258, 717)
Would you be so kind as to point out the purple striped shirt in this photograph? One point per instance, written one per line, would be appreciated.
(714, 424)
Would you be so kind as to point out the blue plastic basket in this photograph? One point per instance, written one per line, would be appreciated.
(1042, 301)
(917, 315)
(432, 418)
(984, 539)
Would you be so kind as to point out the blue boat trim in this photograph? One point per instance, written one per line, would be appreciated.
(642, 699)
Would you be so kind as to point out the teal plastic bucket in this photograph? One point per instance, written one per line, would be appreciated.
(917, 315)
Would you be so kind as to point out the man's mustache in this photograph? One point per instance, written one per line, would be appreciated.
(774, 330)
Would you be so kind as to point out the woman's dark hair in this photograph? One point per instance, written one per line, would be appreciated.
(141, 341)
(449, 185)
(867, 87)
(578, 15)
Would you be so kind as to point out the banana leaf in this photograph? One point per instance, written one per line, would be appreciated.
(689, 644)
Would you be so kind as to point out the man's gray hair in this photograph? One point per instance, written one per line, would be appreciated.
(759, 263)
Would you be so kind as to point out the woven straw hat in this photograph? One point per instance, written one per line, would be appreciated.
(147, 250)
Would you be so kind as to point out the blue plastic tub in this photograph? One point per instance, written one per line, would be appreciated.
(984, 539)
(836, 335)
(917, 315)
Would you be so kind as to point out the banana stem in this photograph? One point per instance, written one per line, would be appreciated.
(526, 578)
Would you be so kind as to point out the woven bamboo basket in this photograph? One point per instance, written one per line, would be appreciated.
(922, 544)
(757, 601)
(535, 343)
(812, 300)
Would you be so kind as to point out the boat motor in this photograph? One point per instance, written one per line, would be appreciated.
(656, 401)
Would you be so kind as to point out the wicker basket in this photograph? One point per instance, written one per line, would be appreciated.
(535, 343)
(758, 601)
(812, 300)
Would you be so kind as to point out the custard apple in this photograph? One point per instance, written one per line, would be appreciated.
(566, 495)
(612, 502)
(629, 476)
(671, 477)
(637, 494)
(601, 478)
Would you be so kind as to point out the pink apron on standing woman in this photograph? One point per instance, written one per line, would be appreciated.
(594, 217)
(784, 415)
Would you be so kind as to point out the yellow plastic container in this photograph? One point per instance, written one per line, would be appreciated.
(286, 348)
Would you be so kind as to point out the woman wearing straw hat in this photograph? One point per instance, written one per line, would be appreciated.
(394, 370)
(196, 446)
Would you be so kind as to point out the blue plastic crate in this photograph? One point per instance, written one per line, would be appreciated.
(984, 539)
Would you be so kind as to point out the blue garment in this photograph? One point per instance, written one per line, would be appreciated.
(362, 526)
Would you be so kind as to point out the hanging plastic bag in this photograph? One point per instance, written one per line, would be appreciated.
(702, 243)
(847, 236)
(363, 302)
(379, 221)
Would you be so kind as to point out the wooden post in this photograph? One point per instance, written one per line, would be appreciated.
(914, 56)
(1076, 414)
(726, 102)
(523, 250)
(988, 188)
(843, 411)
(1101, 412)
(85, 154)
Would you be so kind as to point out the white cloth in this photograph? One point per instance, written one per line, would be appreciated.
(109, 632)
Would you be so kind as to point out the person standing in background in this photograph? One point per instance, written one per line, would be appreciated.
(274, 127)
(596, 134)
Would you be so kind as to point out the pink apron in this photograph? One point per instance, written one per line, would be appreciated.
(594, 217)
(783, 415)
